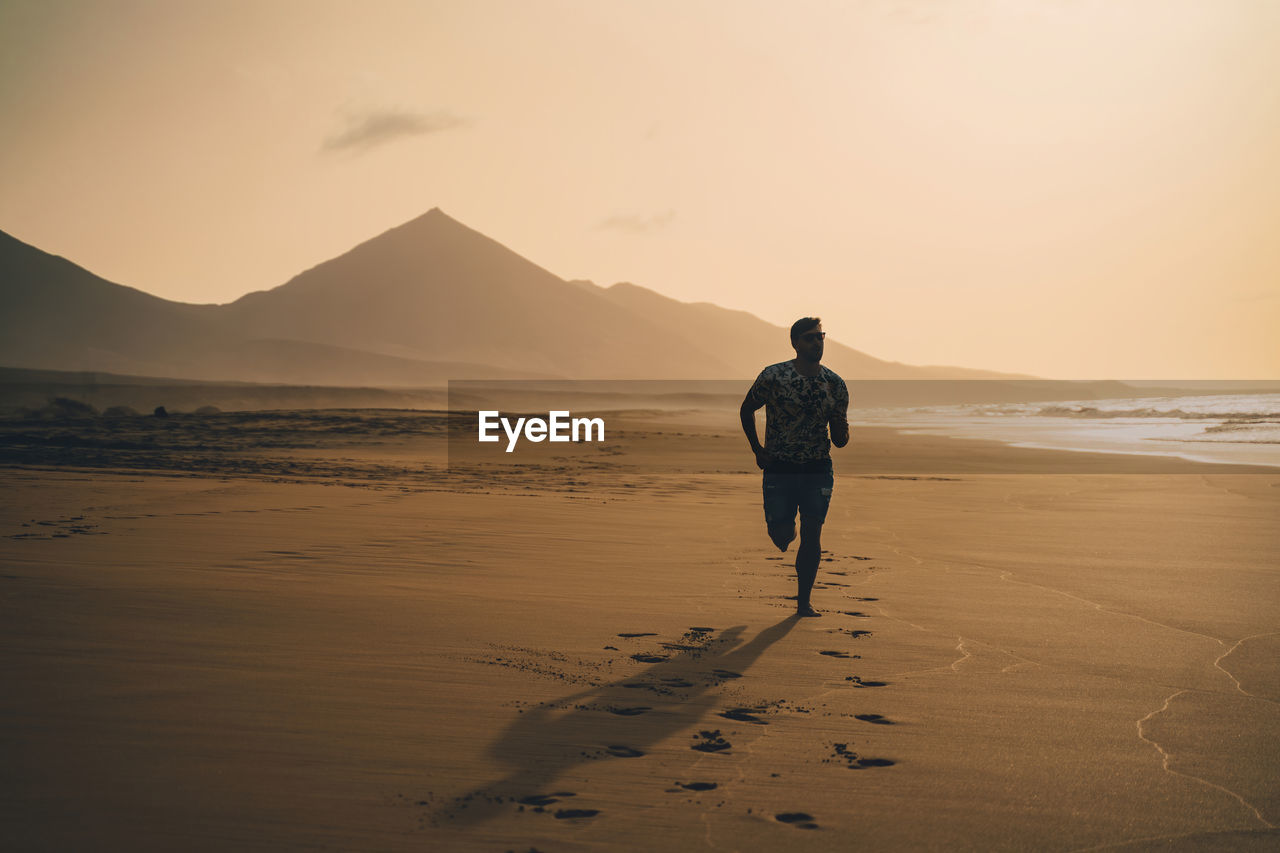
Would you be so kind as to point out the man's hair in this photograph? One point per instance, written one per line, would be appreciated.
(804, 324)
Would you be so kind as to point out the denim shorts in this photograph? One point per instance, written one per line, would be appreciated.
(786, 493)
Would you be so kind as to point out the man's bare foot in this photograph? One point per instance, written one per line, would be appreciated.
(782, 535)
(806, 610)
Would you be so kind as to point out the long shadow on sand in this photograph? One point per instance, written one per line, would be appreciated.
(618, 721)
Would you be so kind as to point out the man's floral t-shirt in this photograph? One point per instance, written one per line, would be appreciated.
(797, 410)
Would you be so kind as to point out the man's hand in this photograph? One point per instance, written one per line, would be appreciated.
(839, 431)
(748, 414)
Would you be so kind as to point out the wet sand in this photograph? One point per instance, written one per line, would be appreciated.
(299, 633)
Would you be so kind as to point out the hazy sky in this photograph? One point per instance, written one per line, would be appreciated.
(1071, 188)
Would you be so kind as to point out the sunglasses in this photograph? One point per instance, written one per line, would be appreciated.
(810, 337)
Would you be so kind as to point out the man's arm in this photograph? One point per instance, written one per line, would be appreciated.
(748, 416)
(840, 422)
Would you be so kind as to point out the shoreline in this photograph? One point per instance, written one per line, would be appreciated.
(884, 447)
(1188, 457)
(1077, 440)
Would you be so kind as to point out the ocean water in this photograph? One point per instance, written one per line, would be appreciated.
(1228, 428)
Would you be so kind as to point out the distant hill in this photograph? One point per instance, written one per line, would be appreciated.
(54, 314)
(743, 340)
(425, 302)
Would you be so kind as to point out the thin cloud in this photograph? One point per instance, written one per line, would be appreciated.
(372, 129)
(635, 224)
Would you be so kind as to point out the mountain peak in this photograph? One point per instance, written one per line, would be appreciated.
(435, 216)
(435, 227)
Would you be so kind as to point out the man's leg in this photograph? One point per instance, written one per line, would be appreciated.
(808, 556)
(780, 505)
(814, 500)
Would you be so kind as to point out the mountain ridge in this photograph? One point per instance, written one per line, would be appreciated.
(396, 309)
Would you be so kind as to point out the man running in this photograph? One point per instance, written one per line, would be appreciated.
(801, 399)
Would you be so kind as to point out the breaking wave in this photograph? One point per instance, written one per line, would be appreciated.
(1061, 411)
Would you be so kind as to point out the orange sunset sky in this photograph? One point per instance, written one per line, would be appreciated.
(1070, 188)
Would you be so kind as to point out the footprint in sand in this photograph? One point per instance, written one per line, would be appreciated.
(841, 752)
(744, 715)
(544, 799)
(874, 718)
(799, 820)
(711, 742)
(571, 814)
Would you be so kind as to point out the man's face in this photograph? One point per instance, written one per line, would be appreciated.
(808, 344)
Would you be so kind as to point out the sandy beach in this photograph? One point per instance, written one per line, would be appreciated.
(213, 642)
